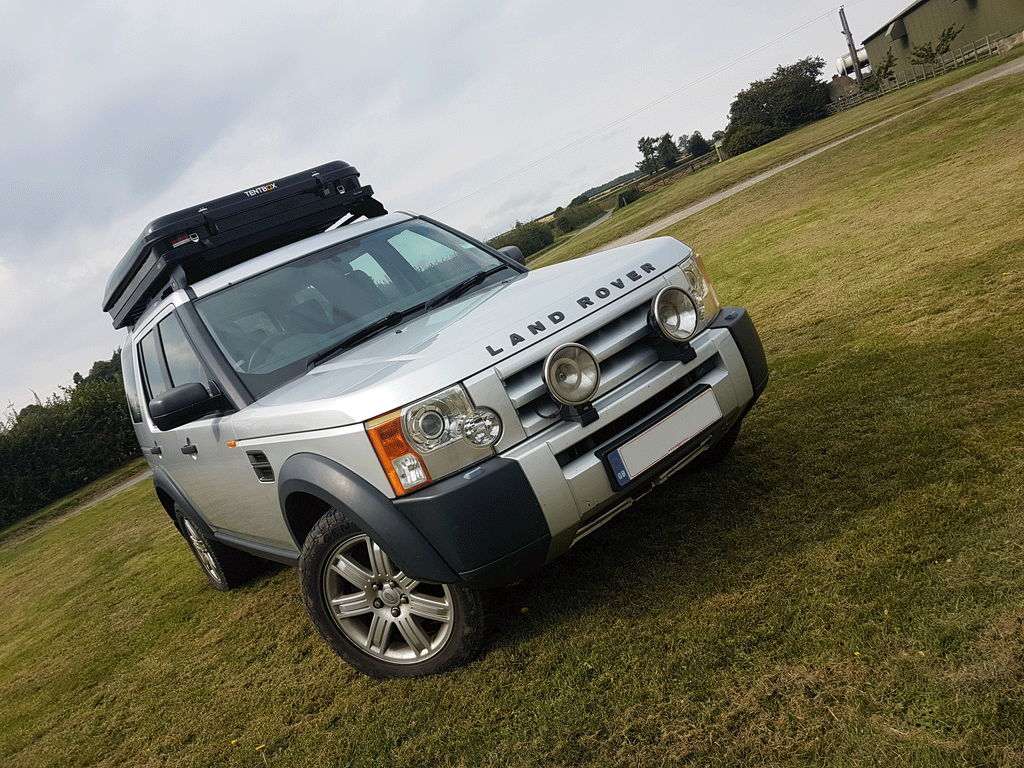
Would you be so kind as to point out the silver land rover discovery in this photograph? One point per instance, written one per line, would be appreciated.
(405, 413)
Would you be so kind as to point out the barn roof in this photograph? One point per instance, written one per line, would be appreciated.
(894, 25)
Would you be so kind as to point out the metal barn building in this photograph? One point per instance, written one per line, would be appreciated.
(924, 21)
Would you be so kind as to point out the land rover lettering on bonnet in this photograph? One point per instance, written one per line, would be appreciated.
(409, 416)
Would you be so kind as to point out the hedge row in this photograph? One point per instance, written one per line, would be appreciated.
(52, 449)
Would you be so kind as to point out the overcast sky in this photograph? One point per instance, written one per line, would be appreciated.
(479, 112)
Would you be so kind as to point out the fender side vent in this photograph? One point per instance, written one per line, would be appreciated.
(261, 466)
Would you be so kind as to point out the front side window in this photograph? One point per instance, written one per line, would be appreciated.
(155, 375)
(168, 359)
(271, 325)
(182, 362)
(131, 389)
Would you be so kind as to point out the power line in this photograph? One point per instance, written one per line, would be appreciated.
(635, 112)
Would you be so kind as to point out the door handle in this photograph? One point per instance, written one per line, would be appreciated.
(189, 448)
(156, 450)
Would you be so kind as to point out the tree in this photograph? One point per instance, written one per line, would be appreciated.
(648, 149)
(697, 145)
(946, 38)
(657, 153)
(30, 411)
(106, 370)
(668, 152)
(883, 71)
(929, 54)
(791, 97)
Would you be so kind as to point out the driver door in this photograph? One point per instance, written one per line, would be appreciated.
(197, 456)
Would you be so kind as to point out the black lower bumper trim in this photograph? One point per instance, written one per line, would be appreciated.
(745, 335)
(485, 522)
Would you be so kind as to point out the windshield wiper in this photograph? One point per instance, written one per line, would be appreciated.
(389, 320)
(394, 318)
(470, 282)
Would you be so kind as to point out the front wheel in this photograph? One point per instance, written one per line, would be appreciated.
(382, 622)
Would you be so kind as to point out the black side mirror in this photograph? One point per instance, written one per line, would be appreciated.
(183, 404)
(513, 252)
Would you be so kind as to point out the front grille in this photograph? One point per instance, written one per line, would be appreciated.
(636, 415)
(626, 349)
(620, 347)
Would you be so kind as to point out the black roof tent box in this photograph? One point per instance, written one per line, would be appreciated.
(211, 237)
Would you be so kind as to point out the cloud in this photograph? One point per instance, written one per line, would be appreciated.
(116, 112)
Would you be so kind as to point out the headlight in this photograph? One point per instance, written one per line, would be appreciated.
(482, 428)
(681, 312)
(432, 438)
(675, 313)
(701, 287)
(433, 423)
(572, 374)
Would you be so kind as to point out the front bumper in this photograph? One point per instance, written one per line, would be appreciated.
(504, 518)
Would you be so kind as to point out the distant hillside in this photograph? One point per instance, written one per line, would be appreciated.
(625, 178)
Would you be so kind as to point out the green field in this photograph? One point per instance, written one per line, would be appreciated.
(846, 589)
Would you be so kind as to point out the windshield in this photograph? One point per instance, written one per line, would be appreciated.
(271, 325)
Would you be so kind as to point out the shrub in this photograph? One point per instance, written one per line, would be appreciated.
(629, 195)
(747, 137)
(529, 238)
(576, 216)
(51, 449)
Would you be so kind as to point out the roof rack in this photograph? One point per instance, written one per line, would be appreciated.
(198, 242)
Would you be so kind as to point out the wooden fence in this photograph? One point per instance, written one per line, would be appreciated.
(683, 169)
(961, 57)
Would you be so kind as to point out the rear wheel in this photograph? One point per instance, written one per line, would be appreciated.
(382, 622)
(225, 567)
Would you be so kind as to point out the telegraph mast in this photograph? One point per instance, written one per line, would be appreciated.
(853, 48)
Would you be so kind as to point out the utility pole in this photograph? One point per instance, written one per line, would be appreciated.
(853, 48)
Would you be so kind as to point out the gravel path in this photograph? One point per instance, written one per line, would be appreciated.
(111, 493)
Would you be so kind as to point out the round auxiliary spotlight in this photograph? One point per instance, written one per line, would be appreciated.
(481, 428)
(675, 313)
(572, 374)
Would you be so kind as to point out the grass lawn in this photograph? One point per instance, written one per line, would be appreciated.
(846, 589)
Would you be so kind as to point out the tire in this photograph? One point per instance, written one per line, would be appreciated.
(382, 622)
(225, 567)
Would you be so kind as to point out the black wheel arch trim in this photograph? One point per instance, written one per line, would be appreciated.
(166, 487)
(373, 512)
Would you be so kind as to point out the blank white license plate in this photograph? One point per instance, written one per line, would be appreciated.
(651, 446)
